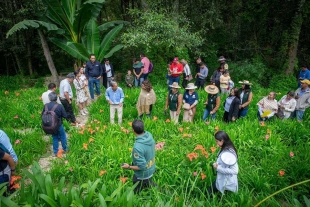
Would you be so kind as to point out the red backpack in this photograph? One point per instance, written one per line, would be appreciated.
(50, 123)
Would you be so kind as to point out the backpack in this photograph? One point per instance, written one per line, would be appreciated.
(50, 123)
(151, 66)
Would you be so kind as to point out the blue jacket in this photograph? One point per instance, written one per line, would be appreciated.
(143, 156)
(5, 141)
(303, 74)
(93, 70)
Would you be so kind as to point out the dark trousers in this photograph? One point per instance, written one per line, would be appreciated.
(200, 83)
(104, 80)
(143, 184)
(225, 116)
(69, 110)
(212, 189)
(184, 83)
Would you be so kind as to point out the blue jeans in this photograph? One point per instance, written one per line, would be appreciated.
(243, 112)
(173, 79)
(297, 113)
(206, 114)
(144, 76)
(61, 135)
(91, 83)
(138, 81)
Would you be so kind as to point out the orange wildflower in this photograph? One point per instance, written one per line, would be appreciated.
(216, 128)
(101, 110)
(167, 120)
(268, 131)
(187, 135)
(40, 98)
(262, 123)
(130, 123)
(91, 131)
(192, 155)
(102, 172)
(155, 118)
(203, 176)
(16, 186)
(17, 93)
(281, 172)
(14, 178)
(205, 153)
(104, 126)
(180, 129)
(199, 147)
(59, 153)
(81, 132)
(85, 146)
(123, 179)
(90, 140)
(212, 149)
(6, 92)
(177, 199)
(97, 128)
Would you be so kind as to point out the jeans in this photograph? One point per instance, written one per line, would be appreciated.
(206, 114)
(200, 83)
(61, 135)
(243, 112)
(144, 76)
(173, 79)
(297, 113)
(143, 184)
(138, 81)
(69, 110)
(91, 83)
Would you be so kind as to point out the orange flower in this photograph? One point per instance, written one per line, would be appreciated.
(155, 118)
(262, 123)
(281, 172)
(81, 132)
(6, 92)
(104, 126)
(203, 176)
(59, 153)
(17, 93)
(91, 131)
(14, 178)
(123, 179)
(167, 120)
(205, 153)
(90, 140)
(102, 172)
(124, 130)
(97, 128)
(199, 147)
(216, 128)
(187, 135)
(130, 123)
(177, 199)
(268, 131)
(192, 155)
(180, 129)
(40, 98)
(16, 186)
(101, 110)
(85, 146)
(212, 149)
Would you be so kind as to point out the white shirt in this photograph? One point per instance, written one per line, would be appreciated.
(45, 98)
(65, 87)
(108, 67)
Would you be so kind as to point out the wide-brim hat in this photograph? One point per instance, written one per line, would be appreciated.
(245, 82)
(190, 86)
(211, 89)
(306, 81)
(174, 85)
(221, 58)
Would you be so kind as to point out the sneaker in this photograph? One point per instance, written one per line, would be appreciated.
(85, 111)
(82, 112)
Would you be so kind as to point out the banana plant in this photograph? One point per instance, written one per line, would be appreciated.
(72, 26)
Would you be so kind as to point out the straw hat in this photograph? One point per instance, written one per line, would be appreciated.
(245, 82)
(305, 81)
(221, 58)
(211, 89)
(174, 85)
(190, 86)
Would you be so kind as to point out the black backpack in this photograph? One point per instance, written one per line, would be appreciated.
(50, 123)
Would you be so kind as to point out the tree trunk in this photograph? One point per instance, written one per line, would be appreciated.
(19, 65)
(48, 58)
(29, 59)
(294, 38)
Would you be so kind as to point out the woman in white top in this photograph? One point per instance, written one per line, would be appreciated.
(224, 81)
(267, 107)
(286, 105)
(80, 87)
(187, 75)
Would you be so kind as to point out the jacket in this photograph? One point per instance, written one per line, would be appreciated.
(289, 106)
(104, 70)
(233, 109)
(143, 156)
(303, 102)
(226, 178)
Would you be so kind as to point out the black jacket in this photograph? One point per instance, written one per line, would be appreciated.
(104, 70)
(233, 109)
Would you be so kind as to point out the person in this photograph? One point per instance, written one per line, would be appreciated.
(176, 69)
(212, 103)
(226, 165)
(267, 107)
(115, 97)
(187, 75)
(81, 97)
(303, 100)
(60, 113)
(84, 80)
(143, 157)
(146, 99)
(303, 74)
(138, 69)
(246, 96)
(201, 76)
(224, 81)
(51, 88)
(190, 100)
(5, 141)
(93, 73)
(198, 61)
(223, 63)
(66, 96)
(146, 64)
(108, 73)
(174, 102)
(129, 79)
(286, 105)
(215, 78)
(231, 106)
(7, 167)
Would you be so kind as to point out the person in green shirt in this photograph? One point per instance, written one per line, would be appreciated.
(174, 102)
(138, 71)
(212, 103)
(129, 79)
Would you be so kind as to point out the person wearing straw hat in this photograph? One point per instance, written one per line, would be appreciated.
(212, 103)
(267, 107)
(190, 100)
(302, 100)
(223, 63)
(246, 96)
(174, 102)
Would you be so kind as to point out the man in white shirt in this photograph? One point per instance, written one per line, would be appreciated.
(51, 88)
(108, 71)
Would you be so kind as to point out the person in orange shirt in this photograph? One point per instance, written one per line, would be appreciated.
(176, 69)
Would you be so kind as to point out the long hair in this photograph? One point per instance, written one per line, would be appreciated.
(147, 85)
(227, 144)
(236, 92)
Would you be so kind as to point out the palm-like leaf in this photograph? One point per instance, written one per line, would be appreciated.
(108, 25)
(113, 50)
(26, 24)
(107, 41)
(92, 42)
